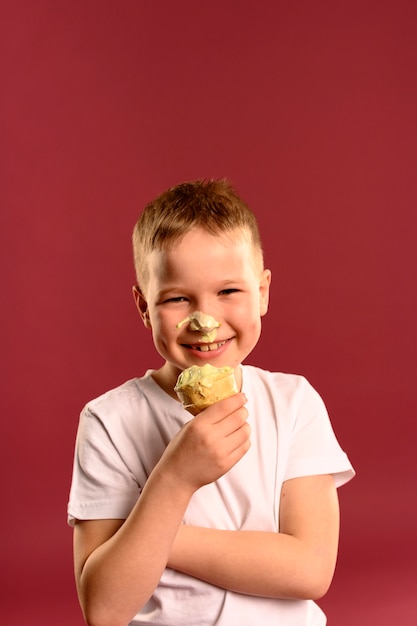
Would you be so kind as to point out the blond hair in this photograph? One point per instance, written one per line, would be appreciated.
(212, 205)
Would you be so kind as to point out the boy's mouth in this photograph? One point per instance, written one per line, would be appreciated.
(206, 347)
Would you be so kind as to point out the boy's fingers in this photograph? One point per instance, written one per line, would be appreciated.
(221, 409)
(240, 440)
(225, 417)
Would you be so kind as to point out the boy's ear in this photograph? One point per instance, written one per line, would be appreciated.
(264, 291)
(141, 305)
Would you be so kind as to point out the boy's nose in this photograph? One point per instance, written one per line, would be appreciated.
(202, 323)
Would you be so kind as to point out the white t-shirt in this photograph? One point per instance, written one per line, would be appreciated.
(122, 435)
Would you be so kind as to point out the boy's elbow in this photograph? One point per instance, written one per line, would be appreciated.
(101, 616)
(311, 580)
(102, 620)
(92, 618)
(315, 585)
(319, 572)
(104, 611)
(318, 589)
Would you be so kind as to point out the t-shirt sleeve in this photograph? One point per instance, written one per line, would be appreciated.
(314, 447)
(102, 486)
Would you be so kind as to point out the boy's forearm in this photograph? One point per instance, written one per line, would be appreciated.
(256, 563)
(120, 575)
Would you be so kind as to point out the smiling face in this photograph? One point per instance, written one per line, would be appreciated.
(216, 275)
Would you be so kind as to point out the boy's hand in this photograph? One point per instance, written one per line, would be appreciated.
(210, 444)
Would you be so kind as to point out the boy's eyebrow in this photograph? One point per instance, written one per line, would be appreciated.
(232, 281)
(170, 290)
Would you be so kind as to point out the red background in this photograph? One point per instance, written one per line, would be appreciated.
(310, 109)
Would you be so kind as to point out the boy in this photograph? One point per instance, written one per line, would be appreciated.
(230, 517)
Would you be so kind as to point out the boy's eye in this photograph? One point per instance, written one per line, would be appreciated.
(226, 292)
(176, 299)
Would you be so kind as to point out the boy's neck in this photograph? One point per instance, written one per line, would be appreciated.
(166, 378)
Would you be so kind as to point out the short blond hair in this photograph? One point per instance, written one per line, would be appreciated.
(212, 205)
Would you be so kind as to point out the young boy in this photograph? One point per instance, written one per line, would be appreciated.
(227, 518)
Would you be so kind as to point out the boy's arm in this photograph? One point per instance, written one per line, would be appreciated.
(297, 562)
(119, 563)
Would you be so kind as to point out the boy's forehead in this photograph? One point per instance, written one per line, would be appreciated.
(229, 254)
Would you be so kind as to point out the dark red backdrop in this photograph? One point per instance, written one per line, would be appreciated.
(310, 109)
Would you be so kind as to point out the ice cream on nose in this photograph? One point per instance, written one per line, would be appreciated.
(205, 324)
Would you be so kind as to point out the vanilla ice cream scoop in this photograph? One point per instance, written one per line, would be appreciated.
(200, 387)
(205, 324)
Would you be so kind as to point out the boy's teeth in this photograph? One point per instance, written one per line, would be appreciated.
(206, 347)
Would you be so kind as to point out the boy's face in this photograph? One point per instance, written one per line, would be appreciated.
(216, 275)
